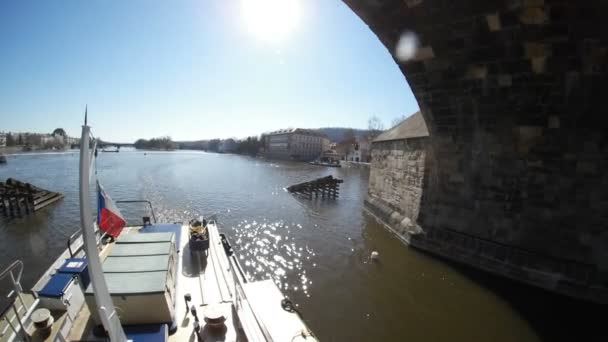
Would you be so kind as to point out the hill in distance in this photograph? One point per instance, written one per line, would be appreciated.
(336, 134)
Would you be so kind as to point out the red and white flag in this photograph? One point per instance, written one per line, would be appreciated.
(109, 218)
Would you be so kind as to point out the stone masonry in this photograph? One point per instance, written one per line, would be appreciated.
(516, 164)
(397, 174)
(396, 183)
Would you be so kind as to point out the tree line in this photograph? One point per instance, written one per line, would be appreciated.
(161, 143)
(11, 140)
(253, 144)
(248, 146)
(30, 140)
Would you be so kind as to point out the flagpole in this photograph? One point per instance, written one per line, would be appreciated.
(103, 301)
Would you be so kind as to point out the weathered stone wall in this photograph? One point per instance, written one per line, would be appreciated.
(396, 179)
(403, 184)
(513, 95)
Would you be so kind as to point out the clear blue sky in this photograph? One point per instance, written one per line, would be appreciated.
(192, 69)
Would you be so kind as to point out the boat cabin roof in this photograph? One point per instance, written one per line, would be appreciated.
(148, 237)
(136, 263)
(129, 249)
(134, 283)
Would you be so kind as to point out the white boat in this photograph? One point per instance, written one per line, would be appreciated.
(325, 163)
(146, 285)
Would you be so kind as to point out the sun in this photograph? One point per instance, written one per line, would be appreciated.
(271, 20)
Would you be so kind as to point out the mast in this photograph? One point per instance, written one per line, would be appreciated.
(103, 301)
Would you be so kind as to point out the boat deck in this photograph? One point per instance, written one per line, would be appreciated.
(213, 280)
(207, 278)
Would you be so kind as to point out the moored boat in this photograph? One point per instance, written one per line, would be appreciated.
(2, 159)
(325, 163)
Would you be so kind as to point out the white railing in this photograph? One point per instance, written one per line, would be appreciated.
(15, 281)
(15, 271)
(240, 298)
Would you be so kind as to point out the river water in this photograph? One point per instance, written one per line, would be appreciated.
(317, 251)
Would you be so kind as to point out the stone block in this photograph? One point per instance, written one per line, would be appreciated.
(514, 4)
(396, 218)
(424, 53)
(533, 16)
(456, 178)
(518, 66)
(533, 3)
(505, 80)
(412, 3)
(553, 122)
(533, 49)
(587, 168)
(509, 20)
(527, 135)
(406, 223)
(477, 72)
(493, 21)
(437, 64)
(538, 64)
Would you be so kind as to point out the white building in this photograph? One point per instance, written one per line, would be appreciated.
(295, 144)
(359, 152)
(2, 140)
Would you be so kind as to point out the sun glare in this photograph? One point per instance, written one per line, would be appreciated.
(271, 20)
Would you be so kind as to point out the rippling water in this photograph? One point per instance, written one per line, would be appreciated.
(316, 251)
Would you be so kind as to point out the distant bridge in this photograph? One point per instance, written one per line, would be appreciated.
(104, 144)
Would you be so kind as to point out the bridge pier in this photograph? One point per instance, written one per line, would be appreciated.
(515, 165)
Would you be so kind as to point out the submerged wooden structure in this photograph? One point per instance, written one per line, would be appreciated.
(18, 198)
(325, 186)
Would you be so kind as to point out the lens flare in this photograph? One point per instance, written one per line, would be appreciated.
(407, 46)
(271, 20)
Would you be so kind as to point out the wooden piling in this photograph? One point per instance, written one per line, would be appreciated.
(18, 198)
(327, 187)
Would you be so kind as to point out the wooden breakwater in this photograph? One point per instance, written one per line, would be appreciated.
(18, 198)
(325, 186)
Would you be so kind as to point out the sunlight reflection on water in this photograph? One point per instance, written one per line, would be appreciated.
(269, 250)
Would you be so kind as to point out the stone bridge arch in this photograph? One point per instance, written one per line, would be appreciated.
(513, 95)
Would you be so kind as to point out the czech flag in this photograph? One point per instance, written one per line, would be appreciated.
(109, 218)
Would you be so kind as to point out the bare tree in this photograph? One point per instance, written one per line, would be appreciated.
(346, 145)
(398, 120)
(10, 140)
(349, 136)
(374, 127)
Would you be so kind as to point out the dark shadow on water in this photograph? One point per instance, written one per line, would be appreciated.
(553, 317)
